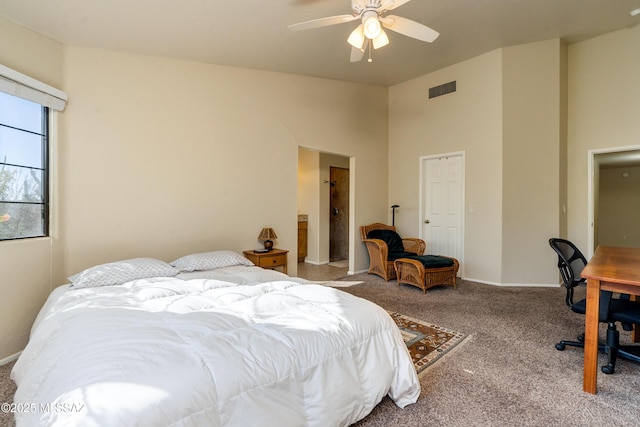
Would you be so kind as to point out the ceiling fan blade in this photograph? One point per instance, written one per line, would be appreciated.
(322, 22)
(409, 28)
(356, 54)
(392, 4)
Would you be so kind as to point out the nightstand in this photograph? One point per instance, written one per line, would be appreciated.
(272, 259)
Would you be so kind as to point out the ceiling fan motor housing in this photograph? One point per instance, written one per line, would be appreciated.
(359, 8)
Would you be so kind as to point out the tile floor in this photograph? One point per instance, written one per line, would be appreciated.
(320, 272)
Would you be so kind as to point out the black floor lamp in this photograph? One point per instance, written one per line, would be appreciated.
(393, 216)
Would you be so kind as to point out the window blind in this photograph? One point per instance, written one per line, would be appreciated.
(17, 84)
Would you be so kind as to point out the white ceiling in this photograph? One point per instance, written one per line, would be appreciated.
(254, 34)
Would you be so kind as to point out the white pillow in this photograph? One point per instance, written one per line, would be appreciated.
(210, 260)
(119, 272)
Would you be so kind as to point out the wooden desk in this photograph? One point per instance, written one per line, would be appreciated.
(610, 269)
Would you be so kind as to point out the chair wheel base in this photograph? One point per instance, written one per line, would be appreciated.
(560, 346)
(608, 369)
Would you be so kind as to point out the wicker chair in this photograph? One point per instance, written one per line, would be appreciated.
(380, 261)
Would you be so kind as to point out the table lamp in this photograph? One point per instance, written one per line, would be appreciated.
(266, 235)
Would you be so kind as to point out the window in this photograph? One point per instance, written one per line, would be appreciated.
(25, 104)
(24, 142)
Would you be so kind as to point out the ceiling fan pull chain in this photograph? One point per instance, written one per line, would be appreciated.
(370, 60)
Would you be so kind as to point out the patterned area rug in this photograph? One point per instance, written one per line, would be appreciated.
(426, 342)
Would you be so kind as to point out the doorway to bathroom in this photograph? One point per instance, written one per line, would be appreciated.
(323, 198)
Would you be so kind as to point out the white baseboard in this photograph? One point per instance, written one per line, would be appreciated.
(316, 262)
(521, 285)
(10, 358)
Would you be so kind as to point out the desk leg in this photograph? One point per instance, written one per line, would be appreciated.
(635, 335)
(591, 336)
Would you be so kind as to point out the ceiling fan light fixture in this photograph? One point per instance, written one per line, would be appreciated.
(372, 15)
(371, 25)
(381, 41)
(356, 38)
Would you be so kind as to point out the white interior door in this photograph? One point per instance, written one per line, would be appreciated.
(442, 204)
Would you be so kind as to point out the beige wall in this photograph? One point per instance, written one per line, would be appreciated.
(309, 185)
(26, 264)
(469, 121)
(309, 197)
(505, 117)
(619, 207)
(604, 106)
(162, 157)
(31, 53)
(25, 285)
(531, 103)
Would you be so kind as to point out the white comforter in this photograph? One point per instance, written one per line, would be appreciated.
(203, 352)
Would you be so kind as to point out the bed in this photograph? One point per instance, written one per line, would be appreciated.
(208, 339)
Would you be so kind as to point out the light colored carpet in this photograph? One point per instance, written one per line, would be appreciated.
(7, 390)
(507, 372)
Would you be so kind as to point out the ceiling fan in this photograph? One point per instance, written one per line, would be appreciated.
(372, 14)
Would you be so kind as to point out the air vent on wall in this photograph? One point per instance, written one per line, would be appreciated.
(442, 89)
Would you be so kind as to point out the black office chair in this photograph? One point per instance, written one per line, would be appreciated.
(571, 262)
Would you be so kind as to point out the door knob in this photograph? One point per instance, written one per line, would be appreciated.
(335, 211)
(426, 221)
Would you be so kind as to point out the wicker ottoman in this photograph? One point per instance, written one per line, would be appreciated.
(413, 272)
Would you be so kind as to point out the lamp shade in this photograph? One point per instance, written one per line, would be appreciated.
(381, 40)
(356, 38)
(267, 233)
